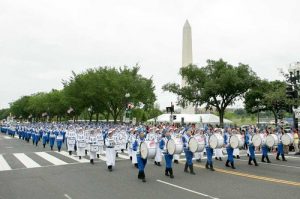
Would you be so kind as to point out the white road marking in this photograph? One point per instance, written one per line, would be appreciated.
(27, 161)
(9, 147)
(66, 154)
(67, 196)
(51, 158)
(7, 137)
(3, 164)
(189, 190)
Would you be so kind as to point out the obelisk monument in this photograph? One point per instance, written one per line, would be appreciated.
(187, 59)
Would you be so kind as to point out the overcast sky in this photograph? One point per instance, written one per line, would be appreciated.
(42, 41)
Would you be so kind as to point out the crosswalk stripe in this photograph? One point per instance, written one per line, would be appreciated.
(7, 137)
(3, 164)
(51, 158)
(66, 154)
(27, 161)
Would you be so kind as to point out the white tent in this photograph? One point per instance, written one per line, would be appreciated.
(191, 118)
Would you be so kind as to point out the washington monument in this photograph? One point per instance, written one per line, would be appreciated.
(187, 59)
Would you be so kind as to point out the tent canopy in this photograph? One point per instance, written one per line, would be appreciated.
(191, 118)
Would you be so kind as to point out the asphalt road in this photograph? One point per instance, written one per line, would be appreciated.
(62, 177)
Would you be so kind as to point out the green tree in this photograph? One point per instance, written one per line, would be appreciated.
(268, 96)
(218, 85)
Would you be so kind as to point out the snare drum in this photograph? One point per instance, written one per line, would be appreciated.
(236, 141)
(256, 140)
(174, 146)
(287, 139)
(216, 141)
(148, 149)
(272, 140)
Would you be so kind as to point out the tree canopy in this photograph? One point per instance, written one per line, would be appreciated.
(216, 85)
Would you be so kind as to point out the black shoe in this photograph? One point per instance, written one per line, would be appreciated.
(249, 162)
(79, 157)
(238, 157)
(130, 158)
(122, 150)
(186, 168)
(51, 148)
(167, 172)
(70, 152)
(255, 163)
(263, 159)
(247, 155)
(44, 145)
(140, 175)
(277, 156)
(206, 166)
(283, 158)
(58, 150)
(143, 180)
(92, 161)
(98, 156)
(198, 160)
(117, 155)
(158, 164)
(85, 152)
(234, 156)
(143, 177)
(268, 160)
(136, 165)
(171, 173)
(192, 170)
(176, 162)
(212, 167)
(220, 159)
(227, 163)
(216, 158)
(232, 166)
(110, 168)
(155, 162)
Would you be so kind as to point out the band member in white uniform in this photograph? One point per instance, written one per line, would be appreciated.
(198, 155)
(219, 151)
(236, 151)
(134, 153)
(110, 151)
(81, 144)
(129, 143)
(93, 146)
(178, 133)
(87, 140)
(158, 155)
(71, 139)
(100, 142)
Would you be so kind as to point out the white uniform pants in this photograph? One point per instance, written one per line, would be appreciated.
(158, 154)
(219, 153)
(110, 157)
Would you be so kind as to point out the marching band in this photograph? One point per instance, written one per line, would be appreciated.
(155, 143)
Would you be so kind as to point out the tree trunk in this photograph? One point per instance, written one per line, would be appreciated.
(275, 117)
(91, 116)
(221, 113)
(97, 117)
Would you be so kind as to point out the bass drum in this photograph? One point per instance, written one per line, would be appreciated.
(216, 141)
(256, 140)
(236, 141)
(193, 144)
(174, 146)
(272, 140)
(287, 139)
(263, 138)
(148, 149)
(200, 142)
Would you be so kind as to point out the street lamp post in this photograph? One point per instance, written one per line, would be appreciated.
(127, 95)
(258, 102)
(294, 80)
